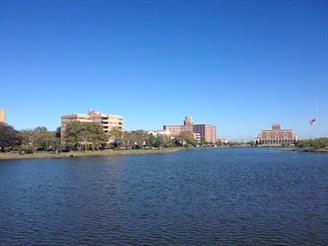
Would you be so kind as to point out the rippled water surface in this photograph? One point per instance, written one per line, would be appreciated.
(197, 197)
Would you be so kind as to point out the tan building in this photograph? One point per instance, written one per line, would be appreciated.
(276, 136)
(204, 132)
(107, 121)
(2, 116)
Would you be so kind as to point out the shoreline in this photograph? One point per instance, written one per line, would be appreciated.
(89, 153)
(306, 149)
(111, 152)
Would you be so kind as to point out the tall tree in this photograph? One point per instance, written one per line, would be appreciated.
(38, 139)
(27, 139)
(42, 138)
(116, 136)
(84, 134)
(159, 141)
(187, 138)
(58, 132)
(139, 138)
(9, 137)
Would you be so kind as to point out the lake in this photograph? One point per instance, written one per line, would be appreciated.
(232, 196)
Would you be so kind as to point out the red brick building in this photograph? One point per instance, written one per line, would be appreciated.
(206, 132)
(276, 136)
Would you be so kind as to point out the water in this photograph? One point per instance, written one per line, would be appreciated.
(199, 197)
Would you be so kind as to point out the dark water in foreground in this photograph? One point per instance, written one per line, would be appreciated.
(199, 197)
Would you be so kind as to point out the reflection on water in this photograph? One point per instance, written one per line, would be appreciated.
(199, 197)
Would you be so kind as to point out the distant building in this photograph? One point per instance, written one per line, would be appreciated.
(222, 140)
(160, 132)
(202, 132)
(276, 136)
(107, 121)
(2, 116)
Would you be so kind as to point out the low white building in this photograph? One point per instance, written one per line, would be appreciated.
(166, 133)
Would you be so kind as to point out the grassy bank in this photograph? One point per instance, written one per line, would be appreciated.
(40, 155)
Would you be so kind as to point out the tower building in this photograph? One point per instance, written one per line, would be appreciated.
(204, 132)
(2, 116)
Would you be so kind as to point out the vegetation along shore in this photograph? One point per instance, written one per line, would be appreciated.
(83, 140)
(88, 153)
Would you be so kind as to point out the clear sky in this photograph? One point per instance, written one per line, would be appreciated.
(239, 65)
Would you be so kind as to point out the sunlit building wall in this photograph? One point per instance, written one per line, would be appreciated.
(2, 116)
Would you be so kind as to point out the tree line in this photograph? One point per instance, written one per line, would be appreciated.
(86, 136)
(316, 144)
(37, 139)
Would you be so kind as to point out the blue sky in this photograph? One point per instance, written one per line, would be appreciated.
(239, 65)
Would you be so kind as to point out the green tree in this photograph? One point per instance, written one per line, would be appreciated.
(151, 139)
(42, 138)
(116, 136)
(38, 139)
(155, 141)
(56, 139)
(58, 132)
(187, 138)
(127, 140)
(141, 138)
(27, 139)
(9, 137)
(316, 144)
(82, 135)
(159, 141)
(136, 139)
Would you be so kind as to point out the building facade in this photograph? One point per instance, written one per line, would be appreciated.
(276, 136)
(203, 132)
(107, 121)
(2, 116)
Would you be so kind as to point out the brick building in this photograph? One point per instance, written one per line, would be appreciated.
(276, 135)
(206, 132)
